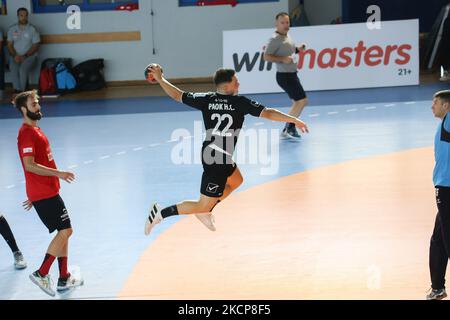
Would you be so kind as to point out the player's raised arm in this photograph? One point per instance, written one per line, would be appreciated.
(171, 90)
(276, 115)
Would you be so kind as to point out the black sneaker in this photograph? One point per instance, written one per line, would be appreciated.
(292, 132)
(437, 294)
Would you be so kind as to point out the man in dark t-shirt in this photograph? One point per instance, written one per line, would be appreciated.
(223, 116)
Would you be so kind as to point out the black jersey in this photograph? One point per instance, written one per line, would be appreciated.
(223, 117)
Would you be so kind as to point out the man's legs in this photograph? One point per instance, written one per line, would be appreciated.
(203, 205)
(296, 110)
(206, 204)
(2, 73)
(57, 248)
(7, 234)
(201, 208)
(63, 261)
(290, 83)
(438, 257)
(14, 68)
(233, 182)
(440, 241)
(5, 231)
(297, 107)
(53, 214)
(24, 71)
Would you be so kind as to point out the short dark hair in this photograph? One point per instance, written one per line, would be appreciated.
(21, 99)
(22, 9)
(281, 14)
(223, 76)
(444, 95)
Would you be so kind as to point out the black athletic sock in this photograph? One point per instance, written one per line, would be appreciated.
(6, 232)
(169, 211)
(289, 126)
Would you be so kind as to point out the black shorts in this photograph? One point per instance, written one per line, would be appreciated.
(290, 83)
(214, 179)
(53, 213)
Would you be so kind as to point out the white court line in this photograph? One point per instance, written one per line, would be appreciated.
(259, 124)
(389, 105)
(138, 149)
(120, 153)
(11, 186)
(351, 110)
(105, 157)
(154, 145)
(73, 166)
(88, 161)
(409, 102)
(314, 115)
(332, 112)
(172, 140)
(370, 108)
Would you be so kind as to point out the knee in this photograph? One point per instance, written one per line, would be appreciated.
(66, 233)
(301, 103)
(236, 180)
(239, 181)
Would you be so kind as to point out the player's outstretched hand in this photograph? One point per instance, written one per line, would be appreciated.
(156, 71)
(68, 177)
(27, 205)
(302, 126)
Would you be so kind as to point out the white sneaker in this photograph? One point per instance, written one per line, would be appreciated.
(45, 283)
(154, 217)
(208, 220)
(445, 76)
(19, 261)
(69, 283)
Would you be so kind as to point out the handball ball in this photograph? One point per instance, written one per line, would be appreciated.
(148, 76)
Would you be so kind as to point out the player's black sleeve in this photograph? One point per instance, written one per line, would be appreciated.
(252, 107)
(196, 100)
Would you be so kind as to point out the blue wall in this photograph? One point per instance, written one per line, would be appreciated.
(427, 11)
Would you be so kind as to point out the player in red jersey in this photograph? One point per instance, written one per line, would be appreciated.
(42, 186)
